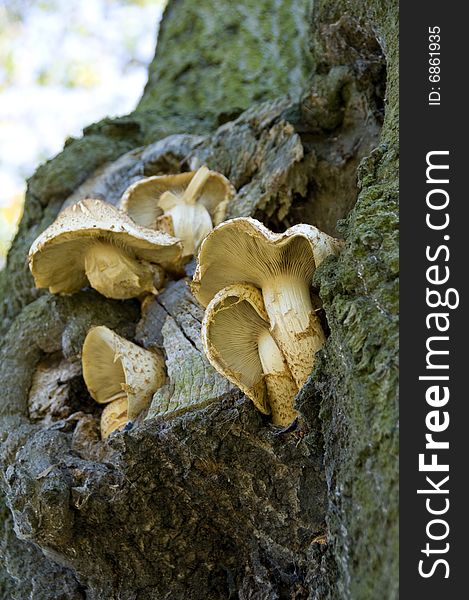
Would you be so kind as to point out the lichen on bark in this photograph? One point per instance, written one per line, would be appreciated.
(213, 502)
(215, 59)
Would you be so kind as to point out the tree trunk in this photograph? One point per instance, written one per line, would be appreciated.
(204, 499)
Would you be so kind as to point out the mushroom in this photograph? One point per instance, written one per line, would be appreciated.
(119, 372)
(238, 344)
(94, 242)
(282, 266)
(113, 417)
(193, 201)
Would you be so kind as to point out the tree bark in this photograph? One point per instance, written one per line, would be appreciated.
(204, 499)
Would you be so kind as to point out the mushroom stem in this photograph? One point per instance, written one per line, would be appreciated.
(114, 416)
(191, 223)
(281, 388)
(294, 325)
(194, 189)
(115, 274)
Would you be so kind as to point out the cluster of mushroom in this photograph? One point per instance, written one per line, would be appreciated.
(260, 329)
(126, 253)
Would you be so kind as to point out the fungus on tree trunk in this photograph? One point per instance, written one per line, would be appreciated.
(120, 373)
(237, 342)
(94, 242)
(194, 201)
(282, 266)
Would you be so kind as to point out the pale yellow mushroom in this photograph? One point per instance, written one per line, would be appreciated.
(281, 265)
(194, 202)
(238, 343)
(94, 243)
(116, 370)
(114, 417)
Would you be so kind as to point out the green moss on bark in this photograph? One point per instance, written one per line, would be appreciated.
(214, 59)
(357, 374)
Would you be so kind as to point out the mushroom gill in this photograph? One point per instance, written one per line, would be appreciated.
(116, 370)
(282, 267)
(237, 342)
(193, 202)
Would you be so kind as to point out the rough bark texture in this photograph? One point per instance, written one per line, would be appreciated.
(203, 498)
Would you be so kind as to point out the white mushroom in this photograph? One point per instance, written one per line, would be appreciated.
(281, 265)
(194, 202)
(116, 370)
(238, 343)
(114, 417)
(94, 242)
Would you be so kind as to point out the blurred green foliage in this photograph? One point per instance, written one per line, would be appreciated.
(63, 65)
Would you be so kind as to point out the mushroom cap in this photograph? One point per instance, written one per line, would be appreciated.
(233, 322)
(244, 250)
(114, 416)
(57, 256)
(142, 199)
(113, 367)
